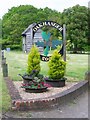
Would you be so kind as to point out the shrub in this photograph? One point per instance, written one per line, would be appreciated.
(33, 60)
(86, 48)
(56, 66)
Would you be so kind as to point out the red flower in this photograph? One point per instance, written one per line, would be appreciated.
(47, 85)
(38, 85)
(42, 83)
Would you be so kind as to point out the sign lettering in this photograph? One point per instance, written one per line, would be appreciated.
(47, 23)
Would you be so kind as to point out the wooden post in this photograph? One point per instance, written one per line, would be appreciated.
(87, 76)
(64, 42)
(4, 66)
(5, 70)
(3, 61)
(2, 54)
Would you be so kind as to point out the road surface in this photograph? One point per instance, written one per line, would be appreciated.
(78, 108)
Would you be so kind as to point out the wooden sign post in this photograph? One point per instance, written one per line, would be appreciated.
(64, 42)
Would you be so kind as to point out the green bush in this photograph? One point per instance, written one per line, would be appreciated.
(57, 66)
(86, 48)
(33, 60)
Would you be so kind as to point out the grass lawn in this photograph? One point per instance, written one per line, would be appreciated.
(4, 96)
(77, 65)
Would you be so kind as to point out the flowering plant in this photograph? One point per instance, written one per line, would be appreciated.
(33, 79)
(36, 83)
(31, 75)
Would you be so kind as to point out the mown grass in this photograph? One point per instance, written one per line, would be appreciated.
(0, 93)
(77, 65)
(5, 100)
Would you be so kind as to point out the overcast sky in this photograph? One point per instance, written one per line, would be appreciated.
(59, 5)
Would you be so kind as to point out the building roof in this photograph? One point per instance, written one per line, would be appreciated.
(28, 28)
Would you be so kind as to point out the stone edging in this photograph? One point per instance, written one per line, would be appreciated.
(50, 102)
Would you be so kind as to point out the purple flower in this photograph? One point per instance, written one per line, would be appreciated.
(33, 71)
(46, 78)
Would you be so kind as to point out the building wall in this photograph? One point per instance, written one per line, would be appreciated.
(28, 40)
(24, 44)
(38, 37)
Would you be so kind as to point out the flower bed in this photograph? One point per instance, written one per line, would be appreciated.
(51, 91)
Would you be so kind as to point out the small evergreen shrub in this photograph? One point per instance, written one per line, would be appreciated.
(57, 66)
(33, 60)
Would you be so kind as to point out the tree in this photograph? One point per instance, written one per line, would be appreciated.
(55, 16)
(18, 19)
(76, 19)
(15, 22)
(0, 33)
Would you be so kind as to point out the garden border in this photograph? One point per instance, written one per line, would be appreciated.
(50, 102)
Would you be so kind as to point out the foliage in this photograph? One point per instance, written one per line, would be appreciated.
(18, 19)
(69, 45)
(58, 48)
(35, 83)
(56, 66)
(86, 47)
(76, 20)
(14, 22)
(0, 28)
(33, 60)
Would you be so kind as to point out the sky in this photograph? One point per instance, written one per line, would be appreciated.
(58, 5)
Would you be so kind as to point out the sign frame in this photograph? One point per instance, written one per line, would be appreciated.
(61, 29)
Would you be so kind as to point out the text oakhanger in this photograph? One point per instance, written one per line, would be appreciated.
(47, 23)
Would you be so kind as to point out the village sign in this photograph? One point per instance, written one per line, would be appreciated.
(46, 37)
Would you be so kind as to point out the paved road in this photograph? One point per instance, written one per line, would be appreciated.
(78, 108)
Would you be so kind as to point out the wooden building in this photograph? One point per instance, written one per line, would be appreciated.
(29, 39)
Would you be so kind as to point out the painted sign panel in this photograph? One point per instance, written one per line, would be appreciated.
(47, 23)
(47, 43)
